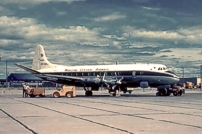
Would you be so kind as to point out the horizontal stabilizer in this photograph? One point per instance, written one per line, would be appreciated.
(27, 69)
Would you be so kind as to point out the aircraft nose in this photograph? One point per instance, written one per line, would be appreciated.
(177, 78)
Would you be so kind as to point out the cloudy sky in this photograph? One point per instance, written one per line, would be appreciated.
(78, 32)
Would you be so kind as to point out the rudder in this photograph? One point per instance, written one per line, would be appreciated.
(40, 61)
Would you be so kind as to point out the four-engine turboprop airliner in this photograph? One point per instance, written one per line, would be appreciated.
(92, 77)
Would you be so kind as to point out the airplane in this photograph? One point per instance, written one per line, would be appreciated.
(117, 77)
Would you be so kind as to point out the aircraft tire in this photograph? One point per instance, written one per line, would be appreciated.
(89, 93)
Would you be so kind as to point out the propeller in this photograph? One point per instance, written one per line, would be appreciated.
(114, 84)
(103, 81)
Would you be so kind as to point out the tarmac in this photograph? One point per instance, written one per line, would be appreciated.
(136, 113)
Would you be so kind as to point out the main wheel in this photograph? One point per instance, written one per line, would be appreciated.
(88, 93)
(56, 94)
(69, 94)
(91, 93)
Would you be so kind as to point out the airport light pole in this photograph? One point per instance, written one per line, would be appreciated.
(182, 74)
(201, 76)
(6, 73)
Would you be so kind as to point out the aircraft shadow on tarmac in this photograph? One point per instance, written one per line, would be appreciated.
(108, 96)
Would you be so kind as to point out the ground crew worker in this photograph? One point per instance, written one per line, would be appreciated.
(24, 90)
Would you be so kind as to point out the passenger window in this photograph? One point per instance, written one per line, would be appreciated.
(141, 73)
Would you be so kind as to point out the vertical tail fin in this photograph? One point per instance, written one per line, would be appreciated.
(40, 61)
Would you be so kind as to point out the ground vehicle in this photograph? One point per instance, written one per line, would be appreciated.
(68, 91)
(36, 92)
(177, 90)
(189, 85)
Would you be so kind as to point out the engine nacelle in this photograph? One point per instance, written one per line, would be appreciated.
(144, 84)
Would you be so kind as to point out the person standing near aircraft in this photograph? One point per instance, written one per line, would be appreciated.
(26, 90)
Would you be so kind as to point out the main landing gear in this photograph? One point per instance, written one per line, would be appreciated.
(88, 91)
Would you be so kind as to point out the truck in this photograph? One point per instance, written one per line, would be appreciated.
(68, 91)
(189, 85)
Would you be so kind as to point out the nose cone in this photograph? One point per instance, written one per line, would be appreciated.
(177, 78)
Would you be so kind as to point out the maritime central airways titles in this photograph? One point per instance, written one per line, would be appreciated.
(86, 70)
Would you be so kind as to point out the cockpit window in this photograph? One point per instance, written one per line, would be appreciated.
(159, 68)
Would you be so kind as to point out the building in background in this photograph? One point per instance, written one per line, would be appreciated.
(16, 80)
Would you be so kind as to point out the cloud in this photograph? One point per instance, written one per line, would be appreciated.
(190, 35)
(110, 17)
(141, 1)
(151, 8)
(183, 54)
(33, 2)
(32, 31)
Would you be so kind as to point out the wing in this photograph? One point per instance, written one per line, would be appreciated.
(59, 77)
(27, 69)
(50, 77)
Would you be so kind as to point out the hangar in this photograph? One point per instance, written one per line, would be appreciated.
(16, 80)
